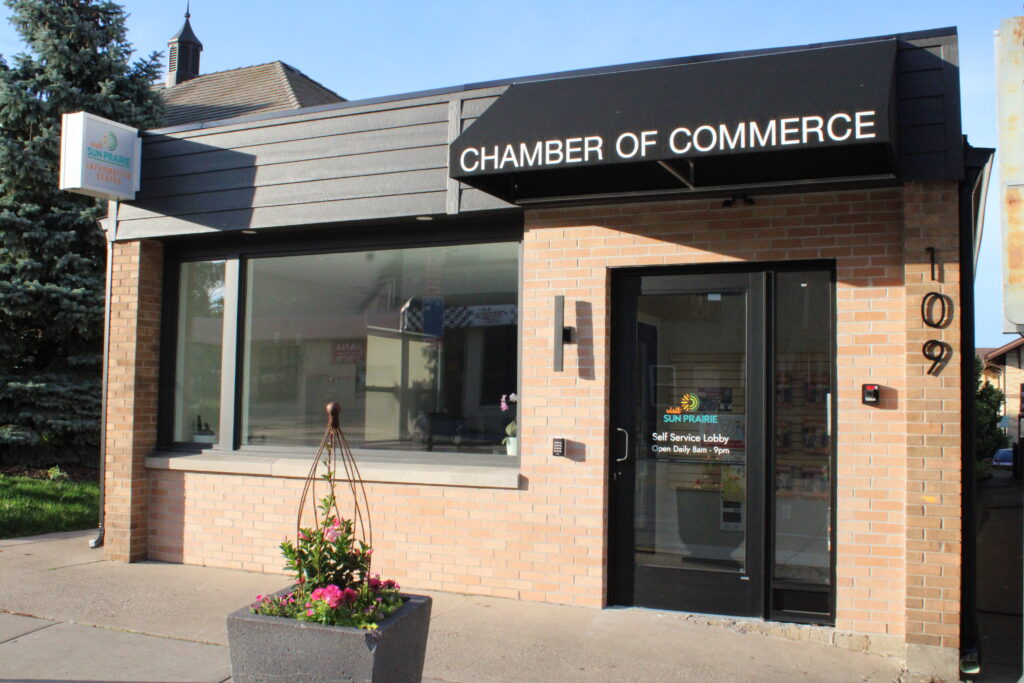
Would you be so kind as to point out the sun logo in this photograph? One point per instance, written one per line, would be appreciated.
(110, 141)
(689, 402)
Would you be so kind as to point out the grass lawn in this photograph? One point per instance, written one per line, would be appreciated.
(39, 506)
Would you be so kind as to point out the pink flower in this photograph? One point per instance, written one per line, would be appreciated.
(374, 582)
(332, 534)
(330, 594)
(391, 585)
(309, 613)
(302, 536)
(350, 596)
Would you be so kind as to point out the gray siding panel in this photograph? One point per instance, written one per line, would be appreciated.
(475, 200)
(351, 163)
(262, 175)
(928, 109)
(924, 139)
(382, 185)
(921, 83)
(923, 110)
(362, 209)
(348, 144)
(473, 107)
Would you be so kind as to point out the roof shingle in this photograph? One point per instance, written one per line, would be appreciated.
(248, 90)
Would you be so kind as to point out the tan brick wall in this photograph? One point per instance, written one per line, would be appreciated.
(934, 411)
(569, 251)
(132, 380)
(548, 540)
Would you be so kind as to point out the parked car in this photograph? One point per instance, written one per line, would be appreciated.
(1003, 459)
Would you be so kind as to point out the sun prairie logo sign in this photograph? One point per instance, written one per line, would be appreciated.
(683, 412)
(688, 404)
(103, 150)
(99, 158)
(107, 142)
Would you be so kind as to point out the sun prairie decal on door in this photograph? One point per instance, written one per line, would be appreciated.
(700, 429)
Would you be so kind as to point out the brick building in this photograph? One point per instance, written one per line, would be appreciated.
(1004, 369)
(735, 288)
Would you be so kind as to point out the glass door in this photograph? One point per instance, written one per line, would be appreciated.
(802, 570)
(687, 446)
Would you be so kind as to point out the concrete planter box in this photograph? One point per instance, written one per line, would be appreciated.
(266, 648)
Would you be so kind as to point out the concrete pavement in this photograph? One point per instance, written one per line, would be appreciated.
(65, 614)
(1000, 572)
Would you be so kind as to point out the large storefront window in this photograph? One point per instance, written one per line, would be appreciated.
(418, 346)
(199, 346)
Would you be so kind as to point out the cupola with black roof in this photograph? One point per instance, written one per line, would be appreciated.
(183, 48)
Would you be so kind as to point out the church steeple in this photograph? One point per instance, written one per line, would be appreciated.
(184, 49)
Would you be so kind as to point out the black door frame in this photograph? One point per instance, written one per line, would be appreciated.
(740, 594)
(625, 283)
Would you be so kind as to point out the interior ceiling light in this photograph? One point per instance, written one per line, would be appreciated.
(248, 231)
(424, 218)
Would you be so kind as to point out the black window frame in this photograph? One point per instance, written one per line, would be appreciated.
(240, 247)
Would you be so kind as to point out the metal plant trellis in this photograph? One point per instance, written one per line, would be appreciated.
(332, 445)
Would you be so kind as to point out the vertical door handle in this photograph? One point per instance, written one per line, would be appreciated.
(625, 456)
(828, 413)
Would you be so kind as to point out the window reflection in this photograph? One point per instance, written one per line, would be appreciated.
(197, 371)
(418, 346)
(803, 381)
(691, 472)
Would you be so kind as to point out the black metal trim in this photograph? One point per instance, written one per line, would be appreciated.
(977, 160)
(168, 351)
(237, 438)
(501, 227)
(750, 189)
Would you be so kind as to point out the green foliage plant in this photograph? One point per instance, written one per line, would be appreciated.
(55, 473)
(988, 404)
(52, 251)
(328, 553)
(331, 566)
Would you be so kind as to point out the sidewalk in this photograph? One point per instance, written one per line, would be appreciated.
(65, 614)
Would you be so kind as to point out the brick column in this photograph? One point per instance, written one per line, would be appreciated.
(132, 381)
(934, 422)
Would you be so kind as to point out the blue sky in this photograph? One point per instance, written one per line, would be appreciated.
(364, 49)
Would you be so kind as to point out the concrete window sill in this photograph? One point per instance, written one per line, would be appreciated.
(267, 465)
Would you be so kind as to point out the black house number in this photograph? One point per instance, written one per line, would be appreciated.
(937, 313)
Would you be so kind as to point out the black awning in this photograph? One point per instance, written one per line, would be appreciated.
(813, 114)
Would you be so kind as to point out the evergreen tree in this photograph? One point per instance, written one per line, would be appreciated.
(988, 404)
(52, 250)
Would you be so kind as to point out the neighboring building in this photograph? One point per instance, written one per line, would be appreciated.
(1004, 368)
(740, 244)
(192, 97)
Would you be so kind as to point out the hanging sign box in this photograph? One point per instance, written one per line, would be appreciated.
(99, 157)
